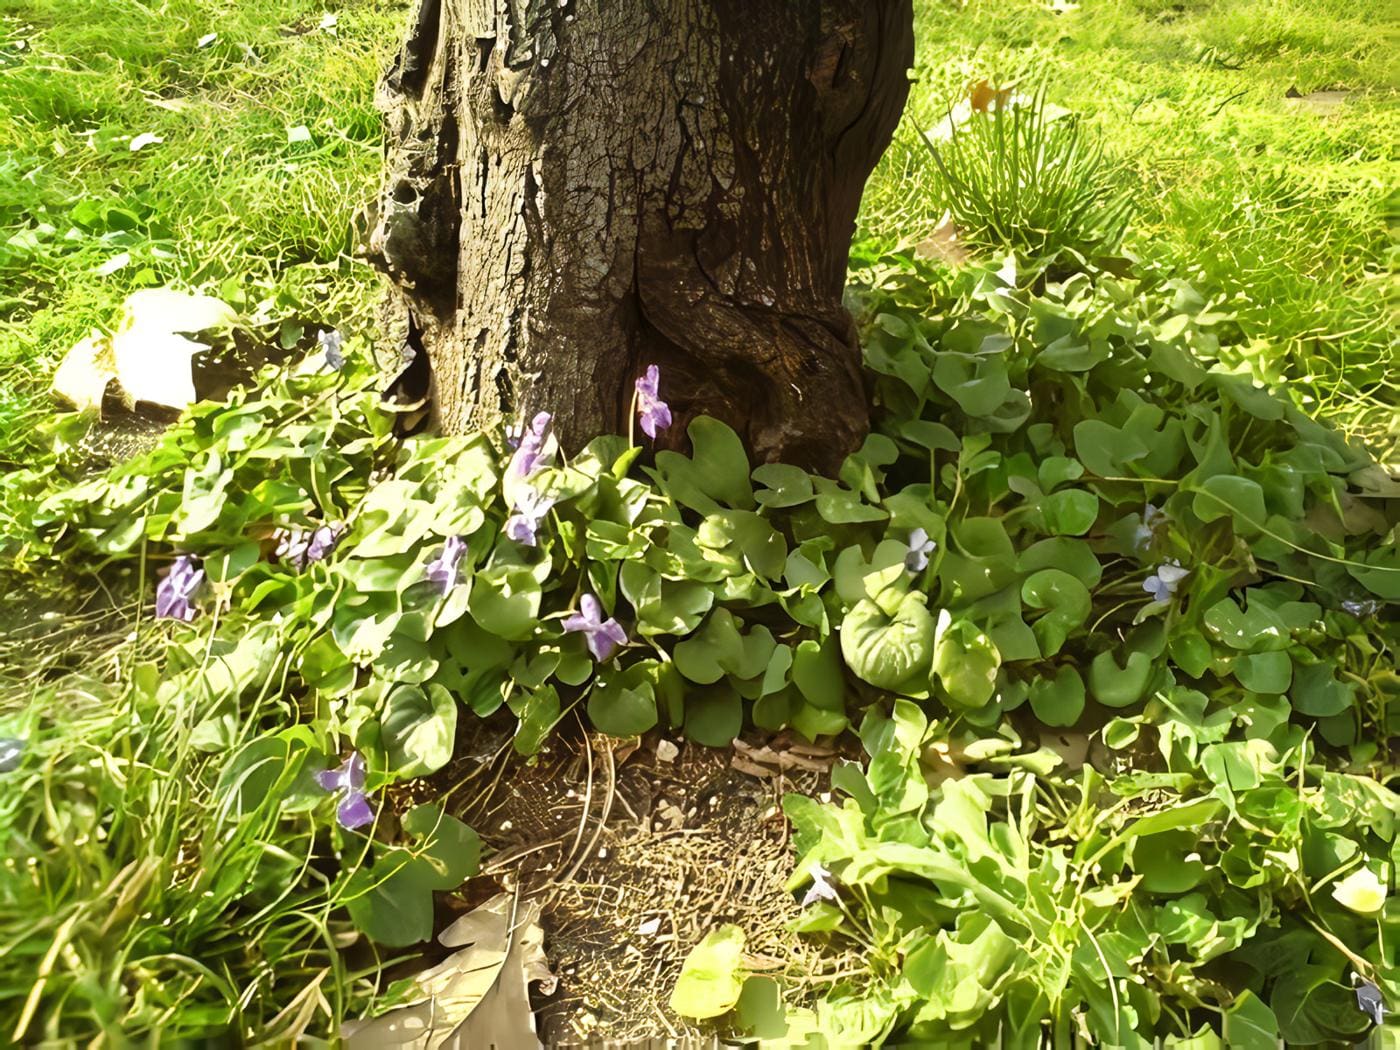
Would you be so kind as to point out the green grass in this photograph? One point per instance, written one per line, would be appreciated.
(226, 197)
(1285, 215)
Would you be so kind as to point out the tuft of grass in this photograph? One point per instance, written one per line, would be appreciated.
(1023, 176)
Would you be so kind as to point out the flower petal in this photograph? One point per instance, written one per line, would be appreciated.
(354, 811)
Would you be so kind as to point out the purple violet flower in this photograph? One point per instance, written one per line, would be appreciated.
(173, 593)
(602, 636)
(11, 748)
(920, 547)
(529, 453)
(1151, 518)
(530, 507)
(821, 889)
(348, 781)
(331, 343)
(655, 413)
(442, 570)
(1361, 609)
(323, 540)
(300, 547)
(1162, 584)
(1370, 1001)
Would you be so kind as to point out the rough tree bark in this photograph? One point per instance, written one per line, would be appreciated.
(576, 189)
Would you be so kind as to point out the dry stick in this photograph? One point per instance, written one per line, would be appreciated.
(583, 817)
(602, 820)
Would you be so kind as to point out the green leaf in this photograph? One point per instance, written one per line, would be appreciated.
(1058, 701)
(1249, 1024)
(623, 703)
(966, 662)
(888, 651)
(1317, 692)
(746, 537)
(716, 474)
(450, 849)
(718, 649)
(714, 715)
(712, 976)
(1120, 686)
(784, 485)
(977, 382)
(1264, 672)
(1228, 495)
(1069, 512)
(505, 599)
(1067, 603)
(418, 727)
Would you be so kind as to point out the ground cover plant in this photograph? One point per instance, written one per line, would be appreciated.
(1113, 622)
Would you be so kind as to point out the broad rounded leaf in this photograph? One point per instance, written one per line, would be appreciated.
(712, 976)
(888, 651)
(966, 662)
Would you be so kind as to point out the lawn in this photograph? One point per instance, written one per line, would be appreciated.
(1081, 677)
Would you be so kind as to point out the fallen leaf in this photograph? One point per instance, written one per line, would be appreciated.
(475, 998)
(84, 373)
(944, 245)
(712, 976)
(145, 139)
(152, 357)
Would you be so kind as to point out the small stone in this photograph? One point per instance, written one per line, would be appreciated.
(666, 751)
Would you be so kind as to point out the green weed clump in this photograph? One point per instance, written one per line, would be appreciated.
(1023, 176)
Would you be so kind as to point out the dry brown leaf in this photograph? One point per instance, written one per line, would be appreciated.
(477, 998)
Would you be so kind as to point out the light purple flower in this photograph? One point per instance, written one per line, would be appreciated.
(1162, 584)
(11, 748)
(655, 413)
(331, 343)
(920, 547)
(174, 592)
(300, 547)
(603, 636)
(1369, 1000)
(323, 540)
(530, 507)
(348, 781)
(821, 889)
(529, 453)
(442, 570)
(1151, 517)
(1361, 609)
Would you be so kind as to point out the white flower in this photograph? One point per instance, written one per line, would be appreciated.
(1143, 535)
(920, 547)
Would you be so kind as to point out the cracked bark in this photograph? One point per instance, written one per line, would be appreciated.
(576, 189)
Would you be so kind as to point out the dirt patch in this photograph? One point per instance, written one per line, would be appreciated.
(635, 850)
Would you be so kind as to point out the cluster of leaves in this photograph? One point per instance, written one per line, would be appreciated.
(1067, 518)
(1225, 894)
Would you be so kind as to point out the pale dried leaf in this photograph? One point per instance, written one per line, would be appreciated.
(475, 998)
(85, 372)
(153, 359)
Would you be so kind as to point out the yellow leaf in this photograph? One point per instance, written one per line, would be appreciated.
(1360, 891)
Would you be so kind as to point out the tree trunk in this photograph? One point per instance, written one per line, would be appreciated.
(577, 189)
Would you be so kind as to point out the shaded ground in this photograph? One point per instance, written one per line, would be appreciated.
(636, 849)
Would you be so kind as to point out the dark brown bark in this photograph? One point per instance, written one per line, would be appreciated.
(576, 189)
